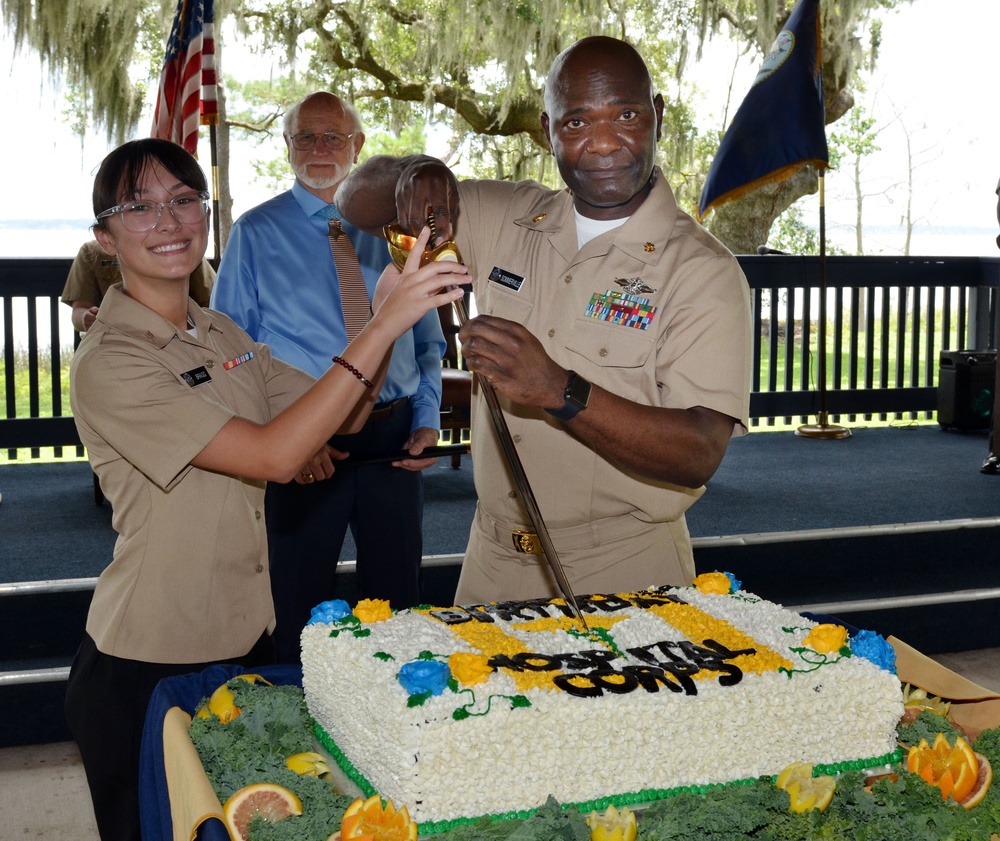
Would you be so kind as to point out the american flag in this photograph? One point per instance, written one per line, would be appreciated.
(188, 95)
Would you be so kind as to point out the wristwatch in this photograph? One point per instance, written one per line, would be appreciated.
(575, 397)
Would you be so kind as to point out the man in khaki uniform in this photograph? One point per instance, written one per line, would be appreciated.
(93, 273)
(614, 328)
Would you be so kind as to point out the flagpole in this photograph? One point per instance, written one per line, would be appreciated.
(822, 429)
(216, 222)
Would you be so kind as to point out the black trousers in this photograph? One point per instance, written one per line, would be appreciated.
(106, 700)
(306, 525)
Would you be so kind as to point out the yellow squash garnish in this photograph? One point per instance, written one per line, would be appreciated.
(612, 825)
(308, 763)
(222, 701)
(806, 792)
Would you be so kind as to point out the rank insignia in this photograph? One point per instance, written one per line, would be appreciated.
(618, 308)
(633, 285)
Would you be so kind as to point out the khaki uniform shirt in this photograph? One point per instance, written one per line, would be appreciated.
(93, 273)
(189, 580)
(688, 346)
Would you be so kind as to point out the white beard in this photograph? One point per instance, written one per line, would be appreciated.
(319, 182)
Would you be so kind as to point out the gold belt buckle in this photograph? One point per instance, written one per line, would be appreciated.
(527, 542)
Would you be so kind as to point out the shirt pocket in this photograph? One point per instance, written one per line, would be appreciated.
(502, 303)
(606, 345)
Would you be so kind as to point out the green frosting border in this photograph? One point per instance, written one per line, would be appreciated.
(644, 796)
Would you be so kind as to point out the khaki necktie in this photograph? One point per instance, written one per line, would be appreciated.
(353, 293)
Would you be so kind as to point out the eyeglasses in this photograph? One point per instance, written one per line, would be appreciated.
(139, 216)
(333, 140)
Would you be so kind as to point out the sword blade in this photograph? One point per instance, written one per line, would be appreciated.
(523, 485)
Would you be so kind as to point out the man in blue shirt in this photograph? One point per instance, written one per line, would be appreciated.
(279, 282)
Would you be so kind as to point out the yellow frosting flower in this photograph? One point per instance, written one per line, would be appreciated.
(469, 669)
(713, 582)
(373, 610)
(827, 639)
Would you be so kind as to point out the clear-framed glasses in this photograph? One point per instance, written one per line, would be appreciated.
(140, 215)
(333, 140)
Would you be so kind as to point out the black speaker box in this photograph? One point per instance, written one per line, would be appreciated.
(966, 384)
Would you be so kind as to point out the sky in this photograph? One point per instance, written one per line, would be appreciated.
(937, 75)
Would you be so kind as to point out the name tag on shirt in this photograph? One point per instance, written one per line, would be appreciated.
(505, 278)
(197, 376)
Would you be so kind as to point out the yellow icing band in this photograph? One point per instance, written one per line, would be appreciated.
(698, 626)
(491, 639)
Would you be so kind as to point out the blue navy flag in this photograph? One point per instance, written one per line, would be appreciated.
(781, 123)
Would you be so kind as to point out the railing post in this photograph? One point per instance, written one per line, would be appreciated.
(980, 326)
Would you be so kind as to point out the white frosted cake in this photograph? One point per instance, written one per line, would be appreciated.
(489, 709)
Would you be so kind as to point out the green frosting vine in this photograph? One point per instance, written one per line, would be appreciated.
(463, 713)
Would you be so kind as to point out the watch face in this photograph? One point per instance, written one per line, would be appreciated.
(578, 391)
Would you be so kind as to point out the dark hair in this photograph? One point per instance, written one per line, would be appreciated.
(121, 172)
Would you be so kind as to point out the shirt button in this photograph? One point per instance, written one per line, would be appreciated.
(260, 568)
(603, 351)
(517, 439)
(568, 279)
(512, 494)
(257, 514)
(210, 363)
(552, 332)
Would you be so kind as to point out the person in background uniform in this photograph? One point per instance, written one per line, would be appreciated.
(93, 272)
(279, 281)
(185, 418)
(615, 329)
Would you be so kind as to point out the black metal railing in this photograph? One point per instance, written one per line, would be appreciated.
(888, 320)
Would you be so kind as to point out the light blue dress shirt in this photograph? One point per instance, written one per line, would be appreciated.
(278, 281)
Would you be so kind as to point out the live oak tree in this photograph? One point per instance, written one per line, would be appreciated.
(476, 66)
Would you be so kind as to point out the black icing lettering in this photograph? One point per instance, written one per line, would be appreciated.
(579, 685)
(537, 662)
(651, 678)
(478, 612)
(726, 653)
(451, 617)
(643, 653)
(618, 683)
(582, 660)
(611, 604)
(654, 600)
(540, 606)
(503, 661)
(731, 674)
(683, 674)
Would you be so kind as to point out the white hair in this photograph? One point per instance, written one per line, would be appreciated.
(292, 114)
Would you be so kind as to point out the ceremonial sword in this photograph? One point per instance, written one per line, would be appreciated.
(449, 251)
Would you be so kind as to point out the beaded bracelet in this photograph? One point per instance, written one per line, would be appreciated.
(367, 383)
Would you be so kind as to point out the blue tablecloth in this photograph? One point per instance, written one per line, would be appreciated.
(186, 692)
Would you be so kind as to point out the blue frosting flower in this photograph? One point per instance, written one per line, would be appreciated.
(734, 582)
(420, 677)
(873, 647)
(332, 611)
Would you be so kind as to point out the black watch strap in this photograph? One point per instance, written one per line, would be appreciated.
(576, 397)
